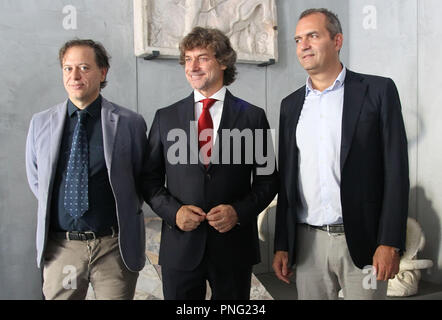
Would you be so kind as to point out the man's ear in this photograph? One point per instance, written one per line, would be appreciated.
(103, 73)
(339, 41)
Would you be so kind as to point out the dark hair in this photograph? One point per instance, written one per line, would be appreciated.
(101, 56)
(213, 39)
(333, 25)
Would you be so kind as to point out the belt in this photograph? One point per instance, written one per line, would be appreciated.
(330, 228)
(83, 235)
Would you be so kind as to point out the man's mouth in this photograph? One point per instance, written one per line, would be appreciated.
(308, 56)
(196, 76)
(76, 86)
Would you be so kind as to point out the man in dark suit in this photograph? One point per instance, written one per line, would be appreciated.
(344, 186)
(84, 161)
(209, 206)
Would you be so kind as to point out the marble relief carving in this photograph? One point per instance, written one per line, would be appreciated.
(251, 25)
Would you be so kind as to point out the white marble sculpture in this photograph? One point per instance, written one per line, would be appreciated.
(261, 216)
(406, 281)
(159, 25)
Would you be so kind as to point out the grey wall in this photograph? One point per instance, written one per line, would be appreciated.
(31, 33)
(405, 46)
(429, 131)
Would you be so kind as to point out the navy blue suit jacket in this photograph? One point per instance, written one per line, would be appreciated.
(190, 183)
(374, 168)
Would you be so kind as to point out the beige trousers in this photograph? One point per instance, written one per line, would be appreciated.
(70, 266)
(324, 266)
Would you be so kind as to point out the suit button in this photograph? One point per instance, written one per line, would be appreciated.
(208, 176)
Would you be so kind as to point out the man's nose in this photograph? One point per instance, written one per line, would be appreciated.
(304, 44)
(194, 65)
(76, 74)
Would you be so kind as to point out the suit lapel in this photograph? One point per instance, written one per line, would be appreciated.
(57, 122)
(293, 118)
(109, 122)
(231, 110)
(293, 115)
(354, 93)
(186, 114)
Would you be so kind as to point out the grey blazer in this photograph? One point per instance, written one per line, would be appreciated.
(124, 143)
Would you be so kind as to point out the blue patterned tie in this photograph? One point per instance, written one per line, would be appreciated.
(76, 200)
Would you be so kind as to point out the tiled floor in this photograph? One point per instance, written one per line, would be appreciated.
(149, 286)
(276, 288)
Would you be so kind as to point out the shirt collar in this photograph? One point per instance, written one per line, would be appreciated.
(339, 82)
(94, 109)
(219, 95)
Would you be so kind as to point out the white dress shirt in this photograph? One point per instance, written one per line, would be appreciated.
(318, 137)
(215, 110)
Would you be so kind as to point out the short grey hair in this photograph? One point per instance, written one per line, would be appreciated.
(333, 24)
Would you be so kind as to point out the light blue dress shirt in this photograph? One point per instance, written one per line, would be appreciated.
(318, 137)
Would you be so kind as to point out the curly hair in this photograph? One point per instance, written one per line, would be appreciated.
(212, 39)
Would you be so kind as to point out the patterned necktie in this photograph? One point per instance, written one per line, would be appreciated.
(76, 200)
(205, 122)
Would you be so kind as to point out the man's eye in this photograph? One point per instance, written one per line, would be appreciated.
(84, 68)
(67, 69)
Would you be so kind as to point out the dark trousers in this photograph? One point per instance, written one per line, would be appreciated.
(226, 283)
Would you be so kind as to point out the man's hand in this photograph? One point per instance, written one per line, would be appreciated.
(223, 218)
(280, 266)
(189, 217)
(386, 262)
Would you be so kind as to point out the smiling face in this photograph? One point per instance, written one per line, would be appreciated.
(316, 51)
(203, 71)
(81, 75)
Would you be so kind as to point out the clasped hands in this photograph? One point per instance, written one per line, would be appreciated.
(222, 217)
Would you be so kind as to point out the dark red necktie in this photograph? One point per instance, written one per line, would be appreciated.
(205, 122)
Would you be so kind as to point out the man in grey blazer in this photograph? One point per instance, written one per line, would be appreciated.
(94, 149)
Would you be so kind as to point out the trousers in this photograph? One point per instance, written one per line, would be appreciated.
(324, 267)
(70, 265)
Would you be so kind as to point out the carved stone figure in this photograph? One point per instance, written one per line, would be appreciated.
(406, 281)
(250, 25)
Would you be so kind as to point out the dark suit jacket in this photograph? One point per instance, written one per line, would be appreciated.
(193, 184)
(374, 168)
